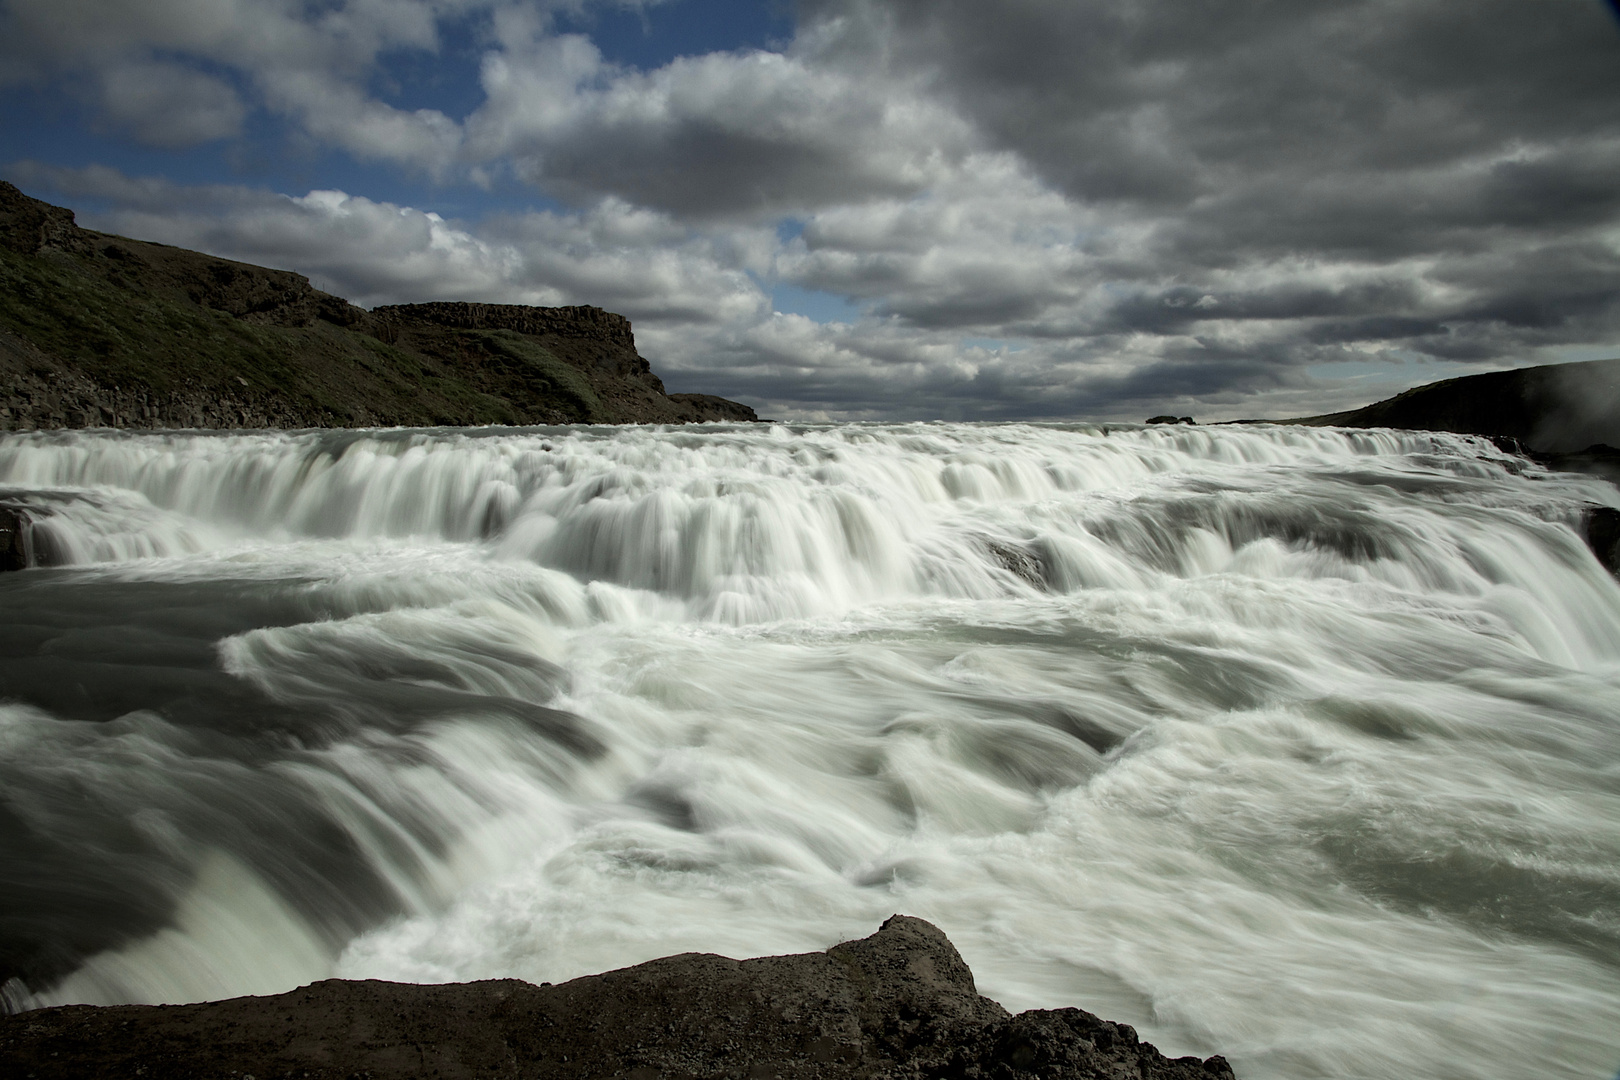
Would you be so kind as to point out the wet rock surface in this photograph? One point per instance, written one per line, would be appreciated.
(1603, 536)
(14, 537)
(1023, 561)
(900, 1004)
(20, 546)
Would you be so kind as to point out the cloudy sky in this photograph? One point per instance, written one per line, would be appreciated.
(864, 209)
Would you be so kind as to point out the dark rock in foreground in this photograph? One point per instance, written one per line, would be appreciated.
(20, 546)
(15, 536)
(1602, 530)
(900, 1003)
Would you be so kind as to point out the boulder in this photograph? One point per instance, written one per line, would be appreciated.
(1602, 528)
(19, 547)
(900, 1003)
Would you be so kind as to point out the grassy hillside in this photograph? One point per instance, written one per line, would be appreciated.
(98, 329)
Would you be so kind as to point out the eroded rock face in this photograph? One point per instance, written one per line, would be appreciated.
(900, 1003)
(13, 539)
(1603, 536)
(579, 321)
(20, 546)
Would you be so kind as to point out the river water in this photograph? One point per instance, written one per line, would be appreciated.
(1296, 745)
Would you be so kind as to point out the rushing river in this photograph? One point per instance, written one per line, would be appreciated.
(1300, 746)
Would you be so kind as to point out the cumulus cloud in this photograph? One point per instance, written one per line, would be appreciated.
(1398, 165)
(170, 106)
(746, 135)
(309, 63)
(986, 247)
(1041, 208)
(632, 260)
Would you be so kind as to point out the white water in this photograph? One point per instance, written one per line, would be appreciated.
(1299, 746)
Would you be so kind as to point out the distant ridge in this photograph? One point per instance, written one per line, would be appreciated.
(1556, 408)
(98, 330)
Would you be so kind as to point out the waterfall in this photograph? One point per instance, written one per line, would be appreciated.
(1296, 745)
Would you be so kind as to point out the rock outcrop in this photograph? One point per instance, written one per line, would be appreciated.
(1563, 416)
(1601, 525)
(1555, 408)
(16, 539)
(102, 331)
(898, 1004)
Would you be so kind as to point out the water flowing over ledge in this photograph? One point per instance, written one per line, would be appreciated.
(1296, 745)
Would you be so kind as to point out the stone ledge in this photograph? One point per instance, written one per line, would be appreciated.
(900, 1003)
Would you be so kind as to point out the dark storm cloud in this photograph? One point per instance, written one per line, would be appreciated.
(704, 170)
(1388, 213)
(1199, 376)
(1032, 208)
(1156, 101)
(1175, 309)
(742, 136)
(1384, 173)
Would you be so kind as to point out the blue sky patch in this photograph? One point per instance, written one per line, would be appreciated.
(823, 307)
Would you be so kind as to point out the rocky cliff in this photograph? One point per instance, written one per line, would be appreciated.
(1555, 408)
(900, 1003)
(100, 330)
(1565, 416)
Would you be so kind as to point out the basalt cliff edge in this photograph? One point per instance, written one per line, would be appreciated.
(98, 330)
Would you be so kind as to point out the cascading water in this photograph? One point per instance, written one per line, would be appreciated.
(1300, 746)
